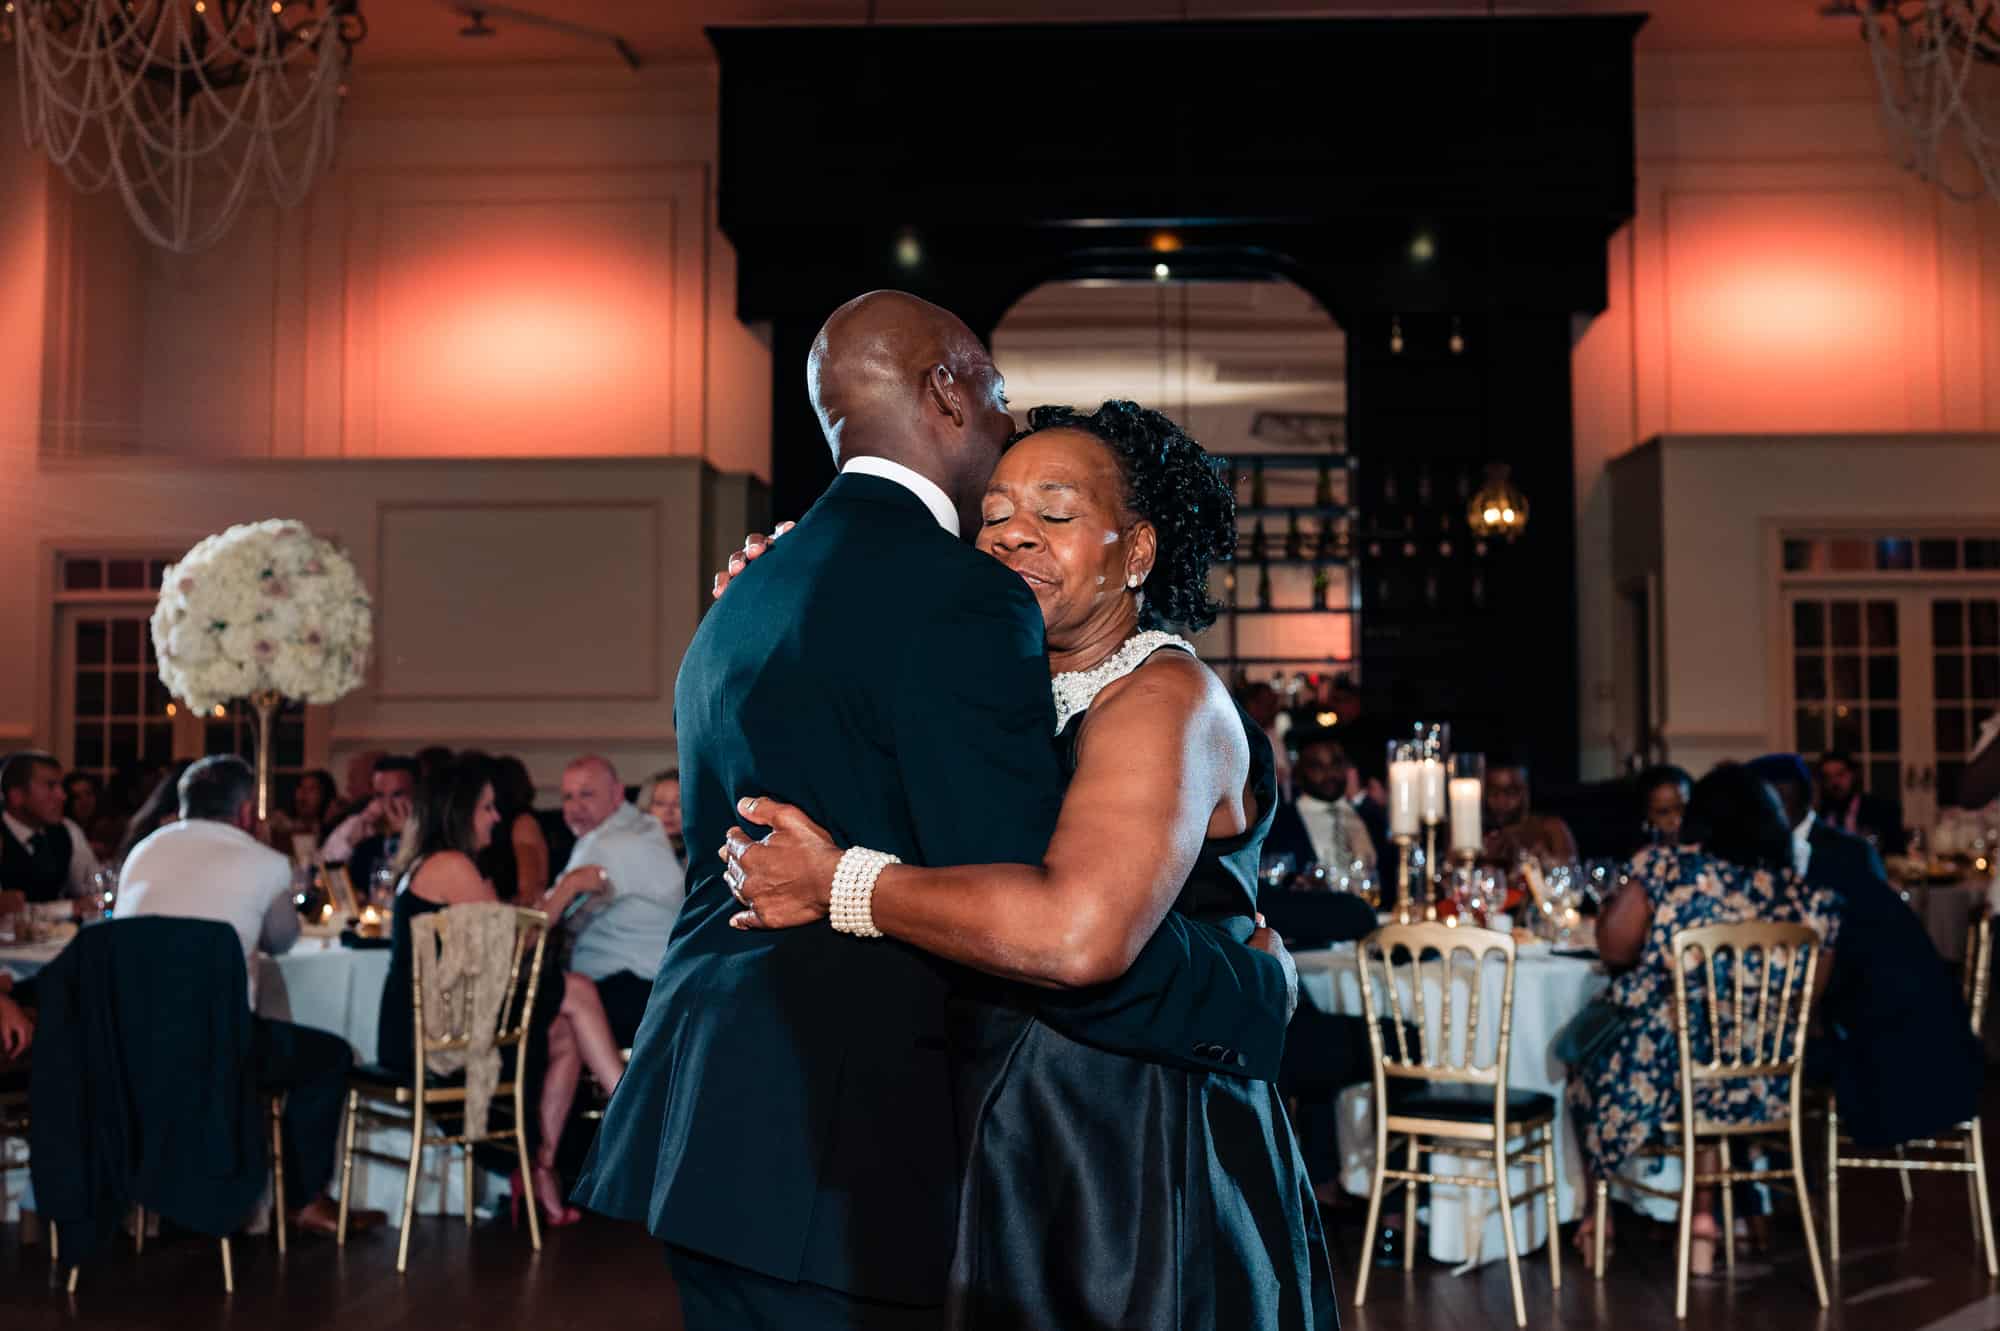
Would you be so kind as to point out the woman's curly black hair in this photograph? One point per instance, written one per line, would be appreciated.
(1171, 482)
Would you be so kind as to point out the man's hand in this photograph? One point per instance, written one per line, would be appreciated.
(17, 1030)
(756, 543)
(583, 878)
(1270, 944)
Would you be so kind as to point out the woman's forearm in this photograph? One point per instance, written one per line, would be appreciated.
(1010, 920)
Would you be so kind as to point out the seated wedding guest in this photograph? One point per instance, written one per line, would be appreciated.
(1367, 788)
(208, 866)
(314, 800)
(454, 821)
(1512, 828)
(1843, 804)
(1319, 826)
(661, 797)
(1663, 798)
(83, 803)
(1898, 1049)
(360, 787)
(621, 945)
(517, 860)
(1734, 865)
(43, 855)
(367, 840)
(161, 805)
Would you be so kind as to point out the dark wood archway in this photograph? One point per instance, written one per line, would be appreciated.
(1415, 170)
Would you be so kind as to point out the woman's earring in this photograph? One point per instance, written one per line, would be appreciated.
(1132, 580)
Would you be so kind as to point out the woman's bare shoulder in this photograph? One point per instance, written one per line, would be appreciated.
(451, 877)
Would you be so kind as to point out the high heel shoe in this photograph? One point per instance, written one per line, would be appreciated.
(548, 1196)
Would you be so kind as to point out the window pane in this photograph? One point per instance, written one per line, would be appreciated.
(1809, 678)
(1847, 728)
(156, 574)
(1982, 554)
(125, 693)
(91, 638)
(1846, 676)
(125, 635)
(157, 696)
(1986, 677)
(1884, 678)
(1885, 730)
(126, 575)
(1894, 555)
(1809, 725)
(89, 693)
(1852, 556)
(1882, 777)
(159, 741)
(1984, 626)
(1846, 623)
(1809, 624)
(124, 746)
(1937, 554)
(1947, 623)
(218, 737)
(82, 575)
(1949, 774)
(1951, 730)
(89, 745)
(1950, 676)
(1881, 624)
(1798, 556)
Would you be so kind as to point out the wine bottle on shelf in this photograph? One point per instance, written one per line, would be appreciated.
(1257, 539)
(1293, 540)
(1320, 583)
(1264, 586)
(1323, 496)
(1257, 484)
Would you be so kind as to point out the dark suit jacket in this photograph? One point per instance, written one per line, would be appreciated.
(1288, 836)
(143, 1088)
(788, 1108)
(1904, 1061)
(1873, 816)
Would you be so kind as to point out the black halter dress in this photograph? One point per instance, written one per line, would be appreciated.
(1102, 1193)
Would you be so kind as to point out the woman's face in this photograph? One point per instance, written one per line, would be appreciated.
(1666, 805)
(485, 817)
(666, 806)
(309, 800)
(1055, 514)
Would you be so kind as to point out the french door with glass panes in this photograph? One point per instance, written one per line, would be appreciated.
(1901, 677)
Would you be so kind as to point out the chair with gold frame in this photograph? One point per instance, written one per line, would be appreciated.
(1452, 1105)
(384, 1097)
(1762, 1041)
(1963, 1140)
(15, 1123)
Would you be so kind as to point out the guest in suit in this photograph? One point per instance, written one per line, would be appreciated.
(1899, 1048)
(369, 839)
(879, 671)
(1844, 805)
(44, 855)
(661, 797)
(1319, 825)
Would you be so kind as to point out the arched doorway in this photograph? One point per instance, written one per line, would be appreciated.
(1257, 371)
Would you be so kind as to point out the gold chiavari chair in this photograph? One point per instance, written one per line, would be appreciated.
(1765, 1037)
(1450, 1104)
(380, 1097)
(15, 1124)
(1964, 1140)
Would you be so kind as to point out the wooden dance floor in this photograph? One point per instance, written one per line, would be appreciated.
(1903, 1270)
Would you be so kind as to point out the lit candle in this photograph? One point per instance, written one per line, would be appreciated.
(370, 917)
(325, 914)
(1405, 791)
(1466, 809)
(1431, 798)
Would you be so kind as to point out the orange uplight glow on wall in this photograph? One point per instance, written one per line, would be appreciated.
(1165, 242)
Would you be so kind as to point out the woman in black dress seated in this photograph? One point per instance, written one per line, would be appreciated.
(1101, 1191)
(452, 823)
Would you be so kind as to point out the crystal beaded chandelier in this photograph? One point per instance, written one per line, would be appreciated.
(184, 104)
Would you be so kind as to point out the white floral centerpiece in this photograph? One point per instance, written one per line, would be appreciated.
(264, 611)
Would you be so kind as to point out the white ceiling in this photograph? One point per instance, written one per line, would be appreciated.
(424, 32)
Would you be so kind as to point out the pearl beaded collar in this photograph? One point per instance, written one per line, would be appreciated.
(1075, 690)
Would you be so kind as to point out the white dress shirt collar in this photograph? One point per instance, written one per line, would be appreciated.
(20, 829)
(1802, 842)
(918, 484)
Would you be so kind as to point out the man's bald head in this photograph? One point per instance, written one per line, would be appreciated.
(897, 377)
(590, 792)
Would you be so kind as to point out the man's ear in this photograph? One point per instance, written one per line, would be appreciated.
(943, 386)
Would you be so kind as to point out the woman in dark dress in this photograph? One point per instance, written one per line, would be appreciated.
(452, 823)
(1101, 1191)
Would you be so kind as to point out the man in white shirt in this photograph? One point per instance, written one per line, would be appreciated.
(207, 866)
(620, 945)
(1320, 826)
(368, 839)
(43, 855)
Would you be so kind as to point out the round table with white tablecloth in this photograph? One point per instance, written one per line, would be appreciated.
(1548, 991)
(322, 984)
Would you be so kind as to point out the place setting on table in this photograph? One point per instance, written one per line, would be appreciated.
(1547, 910)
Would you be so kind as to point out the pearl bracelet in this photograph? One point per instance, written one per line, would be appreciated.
(851, 908)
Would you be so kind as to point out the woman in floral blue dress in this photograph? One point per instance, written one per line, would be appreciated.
(1734, 865)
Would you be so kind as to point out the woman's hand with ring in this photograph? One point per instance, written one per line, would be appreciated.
(784, 880)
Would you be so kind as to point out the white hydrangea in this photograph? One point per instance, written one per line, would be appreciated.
(266, 605)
